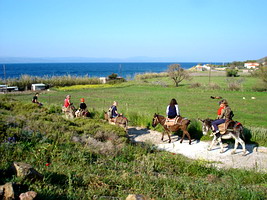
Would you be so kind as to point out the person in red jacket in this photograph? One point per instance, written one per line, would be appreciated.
(67, 102)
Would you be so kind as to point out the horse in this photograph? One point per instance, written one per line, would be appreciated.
(183, 123)
(234, 130)
(120, 120)
(69, 111)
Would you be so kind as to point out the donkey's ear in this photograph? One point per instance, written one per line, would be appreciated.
(200, 120)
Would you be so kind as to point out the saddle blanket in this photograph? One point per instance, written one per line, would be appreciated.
(171, 122)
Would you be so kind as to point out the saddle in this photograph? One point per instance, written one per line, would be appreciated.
(224, 127)
(171, 122)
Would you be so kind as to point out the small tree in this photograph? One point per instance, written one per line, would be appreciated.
(261, 73)
(113, 76)
(231, 72)
(177, 74)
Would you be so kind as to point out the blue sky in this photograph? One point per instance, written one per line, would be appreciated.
(169, 30)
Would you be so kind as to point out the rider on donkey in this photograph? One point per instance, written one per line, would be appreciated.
(83, 108)
(67, 103)
(172, 110)
(114, 111)
(225, 114)
(35, 99)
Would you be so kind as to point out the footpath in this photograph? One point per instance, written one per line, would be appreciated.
(255, 159)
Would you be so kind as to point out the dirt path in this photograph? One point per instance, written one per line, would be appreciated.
(198, 150)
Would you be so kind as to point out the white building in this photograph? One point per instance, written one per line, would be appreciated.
(38, 86)
(251, 65)
(103, 80)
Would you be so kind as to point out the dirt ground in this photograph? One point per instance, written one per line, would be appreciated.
(253, 160)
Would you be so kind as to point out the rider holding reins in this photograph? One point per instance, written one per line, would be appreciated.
(224, 115)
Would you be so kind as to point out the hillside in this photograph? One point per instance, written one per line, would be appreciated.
(89, 159)
(262, 60)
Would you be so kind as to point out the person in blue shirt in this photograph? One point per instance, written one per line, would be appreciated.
(172, 109)
(114, 111)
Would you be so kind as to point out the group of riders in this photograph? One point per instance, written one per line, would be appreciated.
(82, 110)
(224, 113)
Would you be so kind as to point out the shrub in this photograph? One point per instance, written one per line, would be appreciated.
(25, 81)
(195, 85)
(260, 88)
(214, 86)
(116, 81)
(231, 72)
(150, 75)
(234, 84)
(113, 76)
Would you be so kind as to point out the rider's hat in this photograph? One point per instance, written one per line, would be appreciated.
(82, 99)
(224, 101)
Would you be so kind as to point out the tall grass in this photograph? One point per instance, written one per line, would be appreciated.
(150, 75)
(25, 81)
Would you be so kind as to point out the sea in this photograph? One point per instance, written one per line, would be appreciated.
(125, 70)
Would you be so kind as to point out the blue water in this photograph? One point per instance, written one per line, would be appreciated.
(84, 69)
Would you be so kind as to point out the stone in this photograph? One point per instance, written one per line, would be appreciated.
(30, 195)
(136, 197)
(25, 170)
(262, 149)
(8, 192)
(1, 191)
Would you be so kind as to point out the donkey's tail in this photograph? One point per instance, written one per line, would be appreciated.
(239, 127)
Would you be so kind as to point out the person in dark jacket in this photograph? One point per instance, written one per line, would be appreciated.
(35, 99)
(224, 115)
(114, 111)
(83, 105)
(172, 110)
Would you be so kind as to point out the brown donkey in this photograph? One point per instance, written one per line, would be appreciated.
(182, 125)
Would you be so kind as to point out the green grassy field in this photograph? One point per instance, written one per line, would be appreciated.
(139, 100)
(105, 165)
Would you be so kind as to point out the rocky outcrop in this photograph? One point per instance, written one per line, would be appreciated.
(30, 195)
(260, 149)
(137, 197)
(7, 192)
(25, 170)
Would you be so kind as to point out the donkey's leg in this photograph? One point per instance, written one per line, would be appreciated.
(221, 144)
(236, 144)
(162, 135)
(169, 135)
(182, 138)
(243, 145)
(188, 135)
(212, 143)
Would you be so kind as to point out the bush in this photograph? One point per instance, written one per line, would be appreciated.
(116, 81)
(150, 75)
(25, 81)
(113, 76)
(214, 86)
(234, 84)
(195, 85)
(231, 72)
(260, 88)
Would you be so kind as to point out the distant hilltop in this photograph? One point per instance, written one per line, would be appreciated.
(262, 60)
(6, 60)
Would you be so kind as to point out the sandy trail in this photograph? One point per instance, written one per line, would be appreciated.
(198, 150)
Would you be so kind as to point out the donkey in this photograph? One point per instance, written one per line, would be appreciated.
(120, 120)
(183, 123)
(234, 130)
(69, 112)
